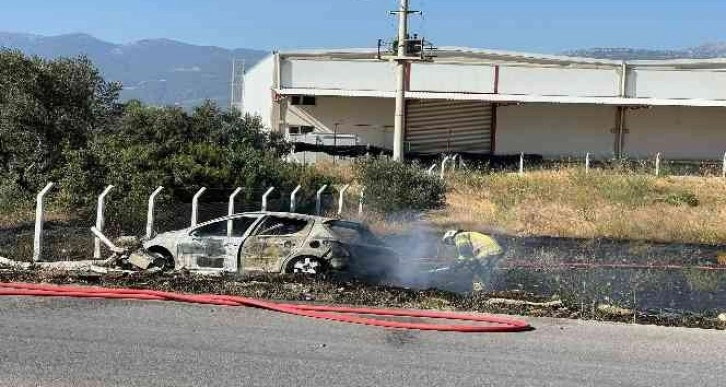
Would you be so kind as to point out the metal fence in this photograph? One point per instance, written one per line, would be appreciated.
(658, 165)
(47, 236)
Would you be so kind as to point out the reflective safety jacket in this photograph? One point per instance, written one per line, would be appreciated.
(473, 245)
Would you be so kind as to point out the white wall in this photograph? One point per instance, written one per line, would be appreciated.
(554, 130)
(680, 84)
(370, 118)
(514, 79)
(676, 132)
(559, 81)
(257, 96)
(338, 74)
(452, 78)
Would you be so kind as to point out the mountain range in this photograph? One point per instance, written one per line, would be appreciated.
(156, 71)
(168, 72)
(705, 51)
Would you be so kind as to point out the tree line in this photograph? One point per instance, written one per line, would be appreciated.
(61, 121)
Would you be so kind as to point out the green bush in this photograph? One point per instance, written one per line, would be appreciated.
(392, 186)
(181, 151)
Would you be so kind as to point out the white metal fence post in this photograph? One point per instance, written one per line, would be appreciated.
(431, 169)
(195, 206)
(264, 198)
(587, 163)
(657, 164)
(293, 195)
(360, 200)
(318, 200)
(341, 197)
(723, 167)
(443, 166)
(98, 234)
(230, 209)
(150, 212)
(39, 218)
(100, 221)
(521, 163)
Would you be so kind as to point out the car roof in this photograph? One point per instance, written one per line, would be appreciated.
(289, 215)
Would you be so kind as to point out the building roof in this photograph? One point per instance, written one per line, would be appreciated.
(487, 55)
(510, 98)
(677, 82)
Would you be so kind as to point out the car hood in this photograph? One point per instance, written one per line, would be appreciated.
(165, 239)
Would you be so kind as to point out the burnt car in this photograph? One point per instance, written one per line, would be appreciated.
(274, 242)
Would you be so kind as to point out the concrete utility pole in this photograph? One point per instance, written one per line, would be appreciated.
(237, 85)
(234, 82)
(401, 69)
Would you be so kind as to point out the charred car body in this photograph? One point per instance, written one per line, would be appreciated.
(274, 242)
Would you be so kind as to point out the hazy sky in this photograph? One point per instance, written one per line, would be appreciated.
(525, 25)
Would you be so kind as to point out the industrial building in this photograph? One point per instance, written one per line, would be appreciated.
(500, 103)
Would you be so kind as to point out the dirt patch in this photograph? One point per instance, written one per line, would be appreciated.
(337, 289)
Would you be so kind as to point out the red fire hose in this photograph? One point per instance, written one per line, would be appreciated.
(333, 313)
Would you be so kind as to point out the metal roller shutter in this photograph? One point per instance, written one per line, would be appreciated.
(436, 126)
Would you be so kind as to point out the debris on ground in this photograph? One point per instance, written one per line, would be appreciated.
(507, 301)
(614, 310)
(127, 253)
(140, 259)
(60, 265)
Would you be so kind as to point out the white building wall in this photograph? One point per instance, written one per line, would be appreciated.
(559, 81)
(435, 77)
(678, 84)
(257, 96)
(371, 119)
(676, 132)
(338, 74)
(554, 130)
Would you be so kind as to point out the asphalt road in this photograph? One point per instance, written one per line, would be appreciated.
(81, 342)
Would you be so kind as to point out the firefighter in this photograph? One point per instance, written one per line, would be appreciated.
(477, 253)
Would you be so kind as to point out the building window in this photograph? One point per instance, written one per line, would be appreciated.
(306, 100)
(301, 129)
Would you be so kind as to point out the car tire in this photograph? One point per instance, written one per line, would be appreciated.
(163, 261)
(307, 265)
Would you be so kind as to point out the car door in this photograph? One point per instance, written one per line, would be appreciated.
(216, 245)
(273, 239)
(238, 230)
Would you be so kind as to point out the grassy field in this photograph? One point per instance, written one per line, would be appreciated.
(566, 202)
(570, 203)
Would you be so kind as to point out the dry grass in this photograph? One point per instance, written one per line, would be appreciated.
(568, 203)
(380, 224)
(342, 172)
(27, 215)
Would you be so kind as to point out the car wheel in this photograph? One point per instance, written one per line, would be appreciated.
(307, 265)
(162, 261)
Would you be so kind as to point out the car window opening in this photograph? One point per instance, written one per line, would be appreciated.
(212, 230)
(219, 229)
(275, 226)
(240, 225)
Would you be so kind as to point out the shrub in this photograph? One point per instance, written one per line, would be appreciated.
(393, 186)
(680, 198)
